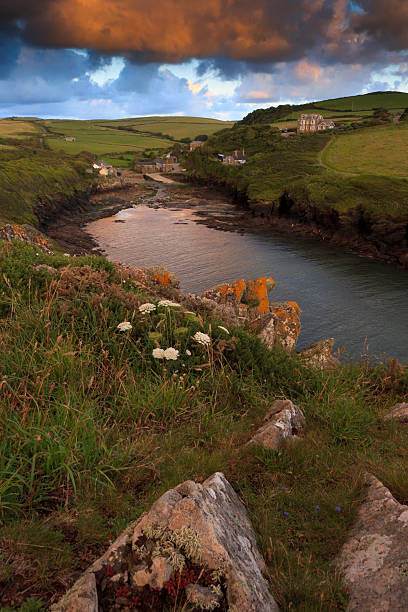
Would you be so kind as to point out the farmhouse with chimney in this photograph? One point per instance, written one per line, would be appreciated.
(313, 123)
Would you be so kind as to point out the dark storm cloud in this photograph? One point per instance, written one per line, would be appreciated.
(176, 30)
(250, 31)
(384, 22)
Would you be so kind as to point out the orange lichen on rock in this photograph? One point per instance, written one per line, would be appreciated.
(234, 290)
(162, 278)
(295, 306)
(287, 323)
(258, 290)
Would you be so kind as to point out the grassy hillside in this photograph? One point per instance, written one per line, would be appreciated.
(366, 102)
(98, 139)
(103, 137)
(94, 429)
(381, 151)
(16, 128)
(176, 127)
(366, 167)
(345, 110)
(28, 172)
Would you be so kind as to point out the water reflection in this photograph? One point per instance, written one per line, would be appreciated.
(362, 303)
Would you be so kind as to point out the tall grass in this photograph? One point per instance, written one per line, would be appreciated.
(94, 429)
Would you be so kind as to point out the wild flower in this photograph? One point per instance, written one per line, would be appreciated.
(223, 329)
(188, 353)
(169, 304)
(171, 353)
(202, 338)
(146, 308)
(124, 326)
(317, 507)
(286, 513)
(158, 353)
(337, 509)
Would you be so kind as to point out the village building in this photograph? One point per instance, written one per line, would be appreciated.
(195, 144)
(237, 158)
(313, 123)
(145, 167)
(70, 139)
(167, 165)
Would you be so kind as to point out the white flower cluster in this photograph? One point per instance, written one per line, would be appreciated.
(202, 338)
(169, 354)
(169, 304)
(124, 326)
(146, 308)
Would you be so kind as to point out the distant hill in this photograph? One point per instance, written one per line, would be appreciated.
(362, 106)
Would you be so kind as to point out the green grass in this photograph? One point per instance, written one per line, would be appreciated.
(380, 151)
(94, 429)
(367, 102)
(28, 173)
(97, 139)
(16, 128)
(103, 137)
(359, 107)
(176, 127)
(364, 168)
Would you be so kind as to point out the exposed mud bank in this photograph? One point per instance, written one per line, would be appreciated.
(63, 218)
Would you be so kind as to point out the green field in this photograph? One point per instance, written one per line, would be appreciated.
(15, 128)
(344, 110)
(176, 127)
(381, 151)
(366, 167)
(98, 139)
(102, 137)
(385, 99)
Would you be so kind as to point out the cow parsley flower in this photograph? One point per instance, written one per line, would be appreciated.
(169, 303)
(124, 326)
(158, 353)
(202, 338)
(223, 329)
(171, 353)
(146, 308)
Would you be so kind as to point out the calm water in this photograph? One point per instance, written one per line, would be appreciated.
(362, 304)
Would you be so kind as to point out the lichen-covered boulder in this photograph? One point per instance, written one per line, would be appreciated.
(283, 326)
(398, 413)
(285, 422)
(197, 536)
(374, 560)
(253, 293)
(165, 278)
(319, 354)
(28, 235)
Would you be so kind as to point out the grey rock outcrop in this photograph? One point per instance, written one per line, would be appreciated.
(398, 413)
(284, 423)
(374, 560)
(319, 354)
(201, 523)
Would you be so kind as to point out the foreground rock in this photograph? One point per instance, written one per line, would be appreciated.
(284, 424)
(374, 561)
(398, 413)
(195, 538)
(25, 234)
(319, 355)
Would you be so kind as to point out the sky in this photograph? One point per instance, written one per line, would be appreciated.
(86, 59)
